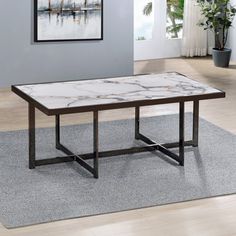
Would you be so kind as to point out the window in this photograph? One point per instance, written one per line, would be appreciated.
(143, 19)
(175, 10)
(158, 28)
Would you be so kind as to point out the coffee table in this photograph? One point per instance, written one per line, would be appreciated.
(59, 98)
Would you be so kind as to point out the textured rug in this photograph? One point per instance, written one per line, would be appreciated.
(64, 191)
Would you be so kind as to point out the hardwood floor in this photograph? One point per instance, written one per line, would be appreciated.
(206, 217)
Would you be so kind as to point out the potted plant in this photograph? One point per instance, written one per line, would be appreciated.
(218, 17)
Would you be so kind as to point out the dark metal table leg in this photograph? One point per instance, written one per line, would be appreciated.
(195, 122)
(95, 154)
(57, 119)
(31, 114)
(137, 122)
(95, 143)
(181, 133)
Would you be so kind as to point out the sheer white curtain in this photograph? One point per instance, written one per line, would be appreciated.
(196, 41)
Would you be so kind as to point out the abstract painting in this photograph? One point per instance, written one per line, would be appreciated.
(68, 20)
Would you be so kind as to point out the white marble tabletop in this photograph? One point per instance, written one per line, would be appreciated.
(114, 90)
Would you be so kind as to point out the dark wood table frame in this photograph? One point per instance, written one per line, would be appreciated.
(95, 155)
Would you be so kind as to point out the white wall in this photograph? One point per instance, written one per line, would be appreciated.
(23, 61)
(155, 49)
(232, 37)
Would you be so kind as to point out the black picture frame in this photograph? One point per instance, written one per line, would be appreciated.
(63, 40)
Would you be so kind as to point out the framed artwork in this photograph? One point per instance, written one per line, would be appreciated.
(68, 20)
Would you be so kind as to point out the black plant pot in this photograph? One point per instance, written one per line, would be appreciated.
(221, 58)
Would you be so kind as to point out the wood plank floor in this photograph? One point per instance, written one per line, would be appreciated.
(207, 217)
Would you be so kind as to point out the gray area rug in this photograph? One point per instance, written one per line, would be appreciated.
(64, 191)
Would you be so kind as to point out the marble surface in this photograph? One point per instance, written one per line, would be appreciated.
(114, 90)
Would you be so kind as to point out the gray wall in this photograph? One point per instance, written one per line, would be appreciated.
(22, 61)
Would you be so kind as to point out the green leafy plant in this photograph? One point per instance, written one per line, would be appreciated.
(175, 9)
(218, 17)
